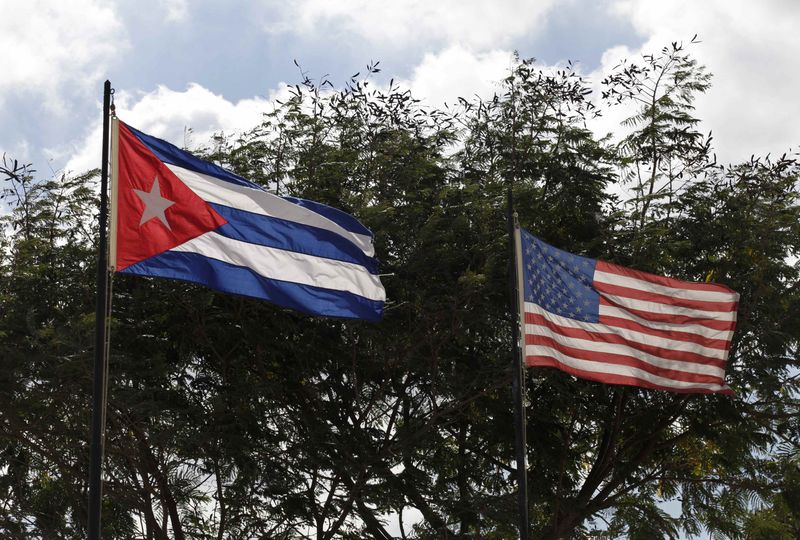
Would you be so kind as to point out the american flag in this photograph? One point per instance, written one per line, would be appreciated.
(616, 325)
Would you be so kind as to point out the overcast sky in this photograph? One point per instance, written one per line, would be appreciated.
(214, 65)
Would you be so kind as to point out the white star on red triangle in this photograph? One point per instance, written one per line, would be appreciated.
(154, 204)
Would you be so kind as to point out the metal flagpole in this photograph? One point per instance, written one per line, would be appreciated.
(518, 384)
(103, 307)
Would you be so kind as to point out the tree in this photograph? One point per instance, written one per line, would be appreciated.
(231, 418)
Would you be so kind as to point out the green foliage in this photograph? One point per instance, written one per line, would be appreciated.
(231, 418)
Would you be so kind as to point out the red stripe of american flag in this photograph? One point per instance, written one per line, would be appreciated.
(663, 298)
(543, 361)
(622, 360)
(651, 316)
(661, 352)
(603, 266)
(673, 334)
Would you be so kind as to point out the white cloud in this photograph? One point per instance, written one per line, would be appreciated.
(457, 72)
(21, 151)
(176, 10)
(47, 44)
(166, 114)
(403, 23)
(751, 48)
(612, 117)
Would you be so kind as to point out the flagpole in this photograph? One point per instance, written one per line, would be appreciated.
(518, 381)
(102, 310)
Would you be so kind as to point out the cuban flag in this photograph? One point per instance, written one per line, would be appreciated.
(176, 216)
(616, 325)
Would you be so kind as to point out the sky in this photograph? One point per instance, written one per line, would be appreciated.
(214, 66)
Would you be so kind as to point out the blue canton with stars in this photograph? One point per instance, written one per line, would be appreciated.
(558, 281)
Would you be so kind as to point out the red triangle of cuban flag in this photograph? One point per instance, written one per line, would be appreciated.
(156, 211)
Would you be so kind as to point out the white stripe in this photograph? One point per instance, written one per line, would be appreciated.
(218, 191)
(614, 348)
(666, 309)
(274, 263)
(630, 335)
(698, 329)
(642, 285)
(616, 369)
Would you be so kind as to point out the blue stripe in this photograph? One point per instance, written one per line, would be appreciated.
(169, 153)
(280, 233)
(343, 219)
(239, 280)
